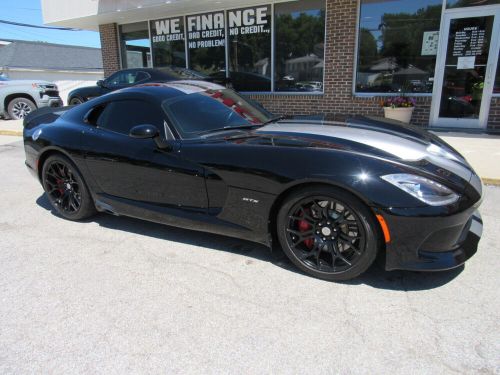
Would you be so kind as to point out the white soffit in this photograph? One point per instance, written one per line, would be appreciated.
(89, 14)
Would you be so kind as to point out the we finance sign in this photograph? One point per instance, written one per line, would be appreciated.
(249, 20)
(167, 30)
(208, 29)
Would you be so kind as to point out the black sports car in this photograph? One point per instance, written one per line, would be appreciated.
(196, 155)
(131, 77)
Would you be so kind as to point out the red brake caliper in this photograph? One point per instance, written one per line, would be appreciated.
(59, 185)
(304, 226)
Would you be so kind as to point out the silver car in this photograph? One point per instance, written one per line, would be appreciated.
(18, 98)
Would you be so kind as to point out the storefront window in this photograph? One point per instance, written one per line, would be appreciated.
(167, 41)
(206, 42)
(299, 47)
(135, 45)
(468, 3)
(249, 48)
(397, 46)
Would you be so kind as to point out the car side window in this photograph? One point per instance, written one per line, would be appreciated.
(121, 116)
(127, 78)
(141, 76)
(115, 79)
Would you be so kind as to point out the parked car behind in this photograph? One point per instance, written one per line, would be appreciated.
(131, 77)
(18, 98)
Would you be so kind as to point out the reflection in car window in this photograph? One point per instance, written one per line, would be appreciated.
(197, 113)
(123, 115)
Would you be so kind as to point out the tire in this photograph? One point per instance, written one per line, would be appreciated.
(328, 233)
(19, 108)
(67, 192)
(76, 101)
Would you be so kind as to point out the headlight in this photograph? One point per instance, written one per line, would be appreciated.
(425, 190)
(43, 87)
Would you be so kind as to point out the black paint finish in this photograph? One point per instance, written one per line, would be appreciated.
(232, 182)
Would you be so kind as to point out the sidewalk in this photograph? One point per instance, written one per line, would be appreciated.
(11, 127)
(481, 150)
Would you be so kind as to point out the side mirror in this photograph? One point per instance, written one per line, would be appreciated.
(144, 131)
(100, 83)
(149, 131)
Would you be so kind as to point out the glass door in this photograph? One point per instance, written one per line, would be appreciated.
(465, 68)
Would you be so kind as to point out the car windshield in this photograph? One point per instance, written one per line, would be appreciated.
(3, 78)
(210, 111)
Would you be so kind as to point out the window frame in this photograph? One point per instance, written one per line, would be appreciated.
(120, 44)
(356, 59)
(270, 3)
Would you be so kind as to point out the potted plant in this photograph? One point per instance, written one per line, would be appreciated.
(399, 108)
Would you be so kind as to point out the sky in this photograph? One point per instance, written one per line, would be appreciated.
(29, 11)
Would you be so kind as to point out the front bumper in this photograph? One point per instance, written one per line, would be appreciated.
(51, 101)
(432, 243)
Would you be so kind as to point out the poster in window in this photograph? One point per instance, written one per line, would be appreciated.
(249, 47)
(167, 42)
(206, 42)
(430, 43)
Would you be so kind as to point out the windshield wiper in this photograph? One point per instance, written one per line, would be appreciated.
(225, 128)
(274, 119)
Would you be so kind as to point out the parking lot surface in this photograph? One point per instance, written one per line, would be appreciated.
(116, 295)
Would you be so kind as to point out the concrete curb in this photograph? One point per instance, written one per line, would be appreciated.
(491, 181)
(11, 132)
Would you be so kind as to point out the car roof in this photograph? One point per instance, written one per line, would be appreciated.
(173, 88)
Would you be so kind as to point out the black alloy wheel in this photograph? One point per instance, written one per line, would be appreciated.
(328, 233)
(65, 189)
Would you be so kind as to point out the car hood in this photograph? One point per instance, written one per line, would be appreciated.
(86, 91)
(19, 82)
(374, 137)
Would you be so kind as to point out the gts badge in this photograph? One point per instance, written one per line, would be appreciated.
(250, 200)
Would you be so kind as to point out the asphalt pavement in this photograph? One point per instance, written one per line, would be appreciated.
(115, 295)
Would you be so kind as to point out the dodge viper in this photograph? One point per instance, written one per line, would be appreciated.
(333, 193)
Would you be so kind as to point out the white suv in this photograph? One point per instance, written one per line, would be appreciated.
(18, 98)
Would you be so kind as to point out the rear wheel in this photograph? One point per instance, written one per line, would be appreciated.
(19, 108)
(66, 190)
(327, 233)
(75, 101)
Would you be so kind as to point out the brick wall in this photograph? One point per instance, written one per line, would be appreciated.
(494, 117)
(340, 47)
(110, 48)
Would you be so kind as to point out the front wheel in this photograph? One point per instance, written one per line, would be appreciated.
(66, 190)
(19, 108)
(328, 233)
